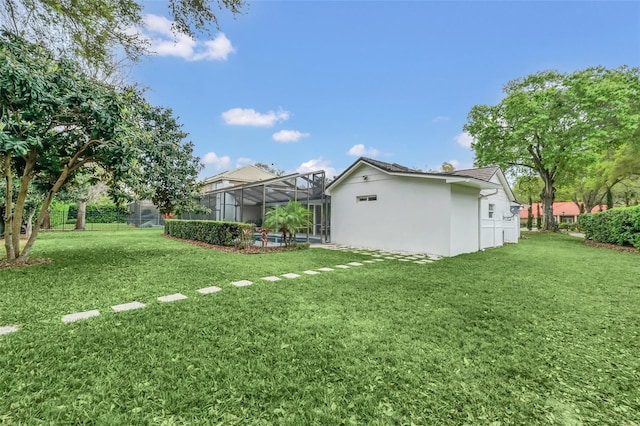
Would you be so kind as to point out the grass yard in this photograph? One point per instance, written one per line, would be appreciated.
(543, 332)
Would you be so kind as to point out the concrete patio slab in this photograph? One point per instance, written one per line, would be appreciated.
(80, 316)
(8, 329)
(242, 283)
(271, 278)
(209, 290)
(171, 297)
(290, 275)
(127, 306)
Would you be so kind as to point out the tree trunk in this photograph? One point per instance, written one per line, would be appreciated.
(29, 223)
(82, 215)
(8, 209)
(24, 255)
(547, 196)
(18, 209)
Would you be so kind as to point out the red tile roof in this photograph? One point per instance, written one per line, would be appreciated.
(560, 208)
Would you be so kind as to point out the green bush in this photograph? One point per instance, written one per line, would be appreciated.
(619, 226)
(216, 232)
(568, 226)
(101, 213)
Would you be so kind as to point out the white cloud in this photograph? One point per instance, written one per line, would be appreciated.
(360, 150)
(217, 162)
(250, 117)
(164, 42)
(440, 119)
(286, 136)
(318, 164)
(217, 49)
(464, 139)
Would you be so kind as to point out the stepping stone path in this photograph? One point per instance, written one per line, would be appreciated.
(127, 306)
(290, 275)
(8, 329)
(171, 297)
(80, 316)
(209, 290)
(377, 256)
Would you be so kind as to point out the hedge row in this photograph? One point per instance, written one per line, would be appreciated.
(101, 213)
(216, 232)
(619, 226)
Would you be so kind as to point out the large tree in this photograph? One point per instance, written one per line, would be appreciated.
(557, 124)
(55, 121)
(94, 30)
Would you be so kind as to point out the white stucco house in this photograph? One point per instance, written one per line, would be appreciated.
(387, 206)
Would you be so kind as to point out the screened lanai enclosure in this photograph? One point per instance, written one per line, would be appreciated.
(249, 202)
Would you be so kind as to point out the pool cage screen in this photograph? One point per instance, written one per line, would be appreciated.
(249, 202)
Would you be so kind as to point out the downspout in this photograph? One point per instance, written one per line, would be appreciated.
(480, 197)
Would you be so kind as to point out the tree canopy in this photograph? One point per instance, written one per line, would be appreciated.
(558, 124)
(95, 29)
(56, 120)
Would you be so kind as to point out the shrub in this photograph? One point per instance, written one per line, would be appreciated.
(216, 232)
(619, 226)
(568, 226)
(101, 213)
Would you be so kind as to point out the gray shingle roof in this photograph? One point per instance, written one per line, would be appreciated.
(481, 173)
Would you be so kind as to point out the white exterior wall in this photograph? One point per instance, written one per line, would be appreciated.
(464, 219)
(504, 227)
(410, 214)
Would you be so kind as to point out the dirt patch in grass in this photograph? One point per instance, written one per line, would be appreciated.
(232, 249)
(5, 264)
(612, 246)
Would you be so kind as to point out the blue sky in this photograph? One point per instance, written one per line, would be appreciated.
(307, 85)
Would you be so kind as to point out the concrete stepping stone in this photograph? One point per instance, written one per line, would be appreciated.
(378, 260)
(128, 306)
(402, 259)
(209, 290)
(369, 261)
(376, 255)
(343, 266)
(171, 298)
(80, 316)
(241, 283)
(271, 278)
(326, 269)
(355, 264)
(8, 329)
(290, 275)
(311, 272)
(390, 257)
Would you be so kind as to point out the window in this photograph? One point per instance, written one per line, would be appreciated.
(492, 209)
(366, 198)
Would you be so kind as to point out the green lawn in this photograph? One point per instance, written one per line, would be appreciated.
(543, 332)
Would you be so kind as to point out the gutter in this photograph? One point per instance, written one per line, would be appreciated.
(480, 197)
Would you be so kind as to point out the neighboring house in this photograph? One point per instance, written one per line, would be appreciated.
(239, 176)
(563, 211)
(391, 207)
(225, 205)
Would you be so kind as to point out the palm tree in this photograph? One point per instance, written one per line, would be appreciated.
(288, 219)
